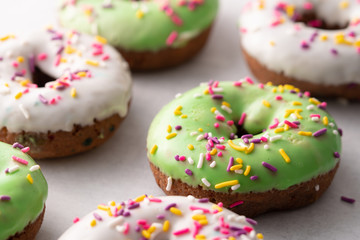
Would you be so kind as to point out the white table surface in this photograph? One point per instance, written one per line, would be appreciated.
(118, 170)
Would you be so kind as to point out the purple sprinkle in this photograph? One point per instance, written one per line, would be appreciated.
(215, 140)
(304, 45)
(246, 136)
(313, 36)
(232, 136)
(206, 136)
(246, 140)
(51, 30)
(253, 178)
(320, 132)
(5, 198)
(334, 52)
(269, 166)
(321, 106)
(32, 63)
(177, 157)
(348, 200)
(120, 212)
(216, 96)
(137, 229)
(7, 170)
(178, 127)
(217, 228)
(210, 82)
(256, 140)
(292, 91)
(135, 205)
(1, 58)
(17, 145)
(336, 155)
(167, 208)
(231, 162)
(203, 200)
(340, 131)
(296, 122)
(57, 37)
(300, 95)
(17, 74)
(61, 87)
(60, 50)
(97, 216)
(188, 172)
(160, 217)
(251, 221)
(43, 99)
(208, 147)
(126, 214)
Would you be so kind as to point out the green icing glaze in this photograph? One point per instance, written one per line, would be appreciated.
(27, 200)
(122, 28)
(310, 156)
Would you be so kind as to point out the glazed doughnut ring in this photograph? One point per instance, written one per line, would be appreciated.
(76, 112)
(193, 149)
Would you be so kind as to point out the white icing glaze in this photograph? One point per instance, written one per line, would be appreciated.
(106, 92)
(111, 228)
(280, 49)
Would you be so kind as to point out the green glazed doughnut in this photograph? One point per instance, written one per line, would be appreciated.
(286, 139)
(23, 191)
(141, 26)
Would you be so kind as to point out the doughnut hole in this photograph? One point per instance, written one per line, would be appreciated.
(40, 78)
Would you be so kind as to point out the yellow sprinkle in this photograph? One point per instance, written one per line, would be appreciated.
(239, 160)
(139, 14)
(261, 4)
(175, 211)
(206, 91)
(236, 147)
(272, 43)
(177, 111)
(286, 127)
(190, 147)
(203, 222)
(216, 207)
(323, 38)
(100, 39)
(279, 130)
(200, 237)
(198, 217)
(274, 90)
(151, 229)
(236, 167)
(281, 88)
(69, 49)
(247, 170)
(103, 207)
(213, 152)
(290, 9)
(308, 134)
(226, 104)
(140, 198)
(146, 234)
(289, 87)
(7, 37)
(269, 84)
(296, 103)
(24, 82)
(213, 109)
(154, 149)
(169, 129)
(226, 184)
(92, 63)
(166, 226)
(250, 148)
(112, 203)
(344, 4)
(20, 59)
(232, 238)
(109, 213)
(30, 179)
(81, 74)
(357, 44)
(325, 120)
(93, 223)
(284, 155)
(73, 92)
(6, 85)
(18, 95)
(63, 60)
(266, 103)
(314, 101)
(171, 135)
(184, 116)
(260, 236)
(295, 111)
(200, 130)
(297, 114)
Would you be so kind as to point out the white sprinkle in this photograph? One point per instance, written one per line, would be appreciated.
(193, 133)
(178, 95)
(34, 168)
(190, 160)
(206, 182)
(315, 119)
(169, 184)
(281, 124)
(317, 187)
(221, 140)
(94, 28)
(197, 212)
(310, 107)
(120, 229)
(251, 235)
(293, 116)
(191, 198)
(218, 90)
(210, 134)
(146, 201)
(102, 64)
(335, 132)
(200, 137)
(266, 146)
(213, 164)
(197, 95)
(218, 113)
(241, 219)
(274, 138)
(226, 108)
(24, 111)
(235, 187)
(331, 124)
(13, 169)
(4, 90)
(201, 160)
(239, 171)
(116, 221)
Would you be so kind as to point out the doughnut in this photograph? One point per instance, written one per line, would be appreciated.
(312, 44)
(61, 93)
(23, 192)
(171, 217)
(152, 34)
(254, 147)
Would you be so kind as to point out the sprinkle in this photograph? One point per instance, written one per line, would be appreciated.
(348, 200)
(190, 160)
(275, 138)
(181, 232)
(169, 129)
(154, 149)
(92, 63)
(226, 184)
(336, 155)
(100, 39)
(24, 111)
(242, 119)
(308, 134)
(178, 128)
(188, 172)
(231, 163)
(253, 178)
(171, 38)
(314, 101)
(20, 160)
(201, 160)
(290, 124)
(29, 178)
(93, 223)
(34, 168)
(250, 148)
(266, 103)
(175, 211)
(73, 92)
(166, 226)
(190, 147)
(284, 155)
(235, 187)
(13, 169)
(43, 99)
(213, 164)
(325, 120)
(177, 111)
(200, 137)
(247, 170)
(320, 132)
(236, 204)
(279, 130)
(269, 166)
(206, 182)
(18, 95)
(169, 184)
(4, 198)
(236, 147)
(171, 135)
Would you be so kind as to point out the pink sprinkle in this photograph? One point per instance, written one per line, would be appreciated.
(181, 232)
(59, 97)
(23, 71)
(76, 220)
(307, 94)
(211, 143)
(141, 222)
(230, 122)
(243, 30)
(216, 125)
(208, 156)
(105, 57)
(264, 139)
(182, 158)
(248, 229)
(220, 118)
(52, 101)
(97, 53)
(20, 160)
(221, 147)
(127, 228)
(210, 90)
(15, 64)
(224, 231)
(25, 149)
(236, 204)
(26, 90)
(220, 204)
(261, 85)
(315, 115)
(42, 56)
(275, 124)
(249, 80)
(242, 119)
(304, 45)
(176, 20)
(216, 84)
(57, 60)
(290, 124)
(193, 208)
(155, 200)
(278, 97)
(323, 104)
(219, 154)
(237, 84)
(308, 6)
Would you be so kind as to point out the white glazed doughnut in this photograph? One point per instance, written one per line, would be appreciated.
(92, 84)
(271, 32)
(171, 217)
